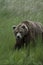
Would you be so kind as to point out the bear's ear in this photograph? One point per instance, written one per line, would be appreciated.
(14, 27)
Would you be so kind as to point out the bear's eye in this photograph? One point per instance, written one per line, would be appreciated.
(16, 32)
(20, 31)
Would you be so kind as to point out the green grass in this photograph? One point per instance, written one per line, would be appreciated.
(12, 12)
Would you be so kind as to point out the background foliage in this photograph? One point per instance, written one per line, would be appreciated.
(12, 12)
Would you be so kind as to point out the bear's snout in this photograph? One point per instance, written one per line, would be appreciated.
(19, 36)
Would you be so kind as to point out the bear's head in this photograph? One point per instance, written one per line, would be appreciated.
(20, 31)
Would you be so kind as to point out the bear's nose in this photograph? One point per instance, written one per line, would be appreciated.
(18, 37)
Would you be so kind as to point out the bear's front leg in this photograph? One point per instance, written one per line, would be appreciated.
(26, 41)
(17, 46)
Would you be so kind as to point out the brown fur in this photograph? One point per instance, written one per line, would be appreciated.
(35, 29)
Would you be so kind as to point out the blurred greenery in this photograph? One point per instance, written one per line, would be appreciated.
(12, 12)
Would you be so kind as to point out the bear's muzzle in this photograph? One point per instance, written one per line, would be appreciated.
(19, 36)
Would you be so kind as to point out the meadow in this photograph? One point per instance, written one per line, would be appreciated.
(12, 12)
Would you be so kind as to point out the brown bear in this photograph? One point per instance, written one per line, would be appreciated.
(26, 32)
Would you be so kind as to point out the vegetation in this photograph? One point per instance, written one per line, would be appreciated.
(12, 12)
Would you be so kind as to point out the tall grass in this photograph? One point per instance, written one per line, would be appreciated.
(12, 12)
